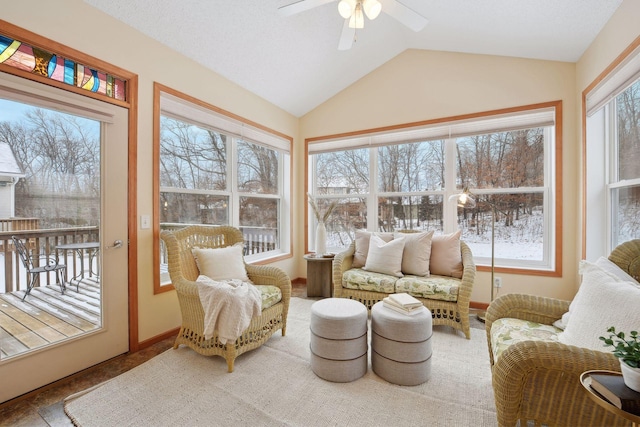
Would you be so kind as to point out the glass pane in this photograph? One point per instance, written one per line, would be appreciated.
(257, 169)
(192, 157)
(259, 224)
(502, 160)
(23, 56)
(410, 213)
(411, 167)
(626, 203)
(188, 208)
(348, 216)
(343, 172)
(50, 192)
(519, 226)
(628, 109)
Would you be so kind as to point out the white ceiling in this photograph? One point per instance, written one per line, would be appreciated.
(294, 63)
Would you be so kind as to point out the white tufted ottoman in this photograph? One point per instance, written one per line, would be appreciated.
(339, 339)
(401, 345)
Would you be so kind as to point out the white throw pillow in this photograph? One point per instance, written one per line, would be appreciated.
(362, 246)
(221, 263)
(610, 267)
(446, 259)
(417, 252)
(385, 257)
(602, 301)
(612, 270)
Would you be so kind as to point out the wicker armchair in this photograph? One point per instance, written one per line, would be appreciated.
(450, 313)
(184, 271)
(538, 382)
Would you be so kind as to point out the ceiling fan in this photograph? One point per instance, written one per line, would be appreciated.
(354, 11)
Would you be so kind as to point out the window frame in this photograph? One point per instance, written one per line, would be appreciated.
(236, 127)
(551, 265)
(599, 147)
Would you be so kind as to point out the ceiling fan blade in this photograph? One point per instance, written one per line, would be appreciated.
(405, 15)
(346, 38)
(301, 6)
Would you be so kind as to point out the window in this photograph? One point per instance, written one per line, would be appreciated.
(613, 156)
(216, 169)
(403, 178)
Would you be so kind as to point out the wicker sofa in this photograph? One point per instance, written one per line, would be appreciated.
(536, 377)
(451, 309)
(184, 272)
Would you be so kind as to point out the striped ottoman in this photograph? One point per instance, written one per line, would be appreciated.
(401, 345)
(339, 339)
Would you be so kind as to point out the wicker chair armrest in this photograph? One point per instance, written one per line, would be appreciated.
(541, 380)
(269, 275)
(341, 263)
(526, 307)
(468, 272)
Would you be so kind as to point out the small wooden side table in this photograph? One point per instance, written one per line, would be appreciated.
(319, 269)
(585, 379)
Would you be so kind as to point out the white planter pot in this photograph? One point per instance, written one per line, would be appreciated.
(321, 239)
(631, 376)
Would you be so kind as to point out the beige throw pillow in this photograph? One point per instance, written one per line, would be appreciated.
(221, 263)
(446, 259)
(362, 246)
(602, 301)
(417, 252)
(385, 257)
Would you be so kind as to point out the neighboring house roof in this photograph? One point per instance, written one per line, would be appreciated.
(8, 163)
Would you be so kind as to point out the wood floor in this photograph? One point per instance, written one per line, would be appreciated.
(47, 316)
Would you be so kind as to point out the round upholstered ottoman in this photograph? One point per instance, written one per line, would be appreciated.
(401, 345)
(339, 339)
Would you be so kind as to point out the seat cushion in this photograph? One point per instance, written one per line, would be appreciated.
(270, 295)
(508, 331)
(441, 288)
(358, 279)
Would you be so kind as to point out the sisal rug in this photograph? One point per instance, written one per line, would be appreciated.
(274, 386)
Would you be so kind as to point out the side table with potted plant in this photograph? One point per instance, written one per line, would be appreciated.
(627, 349)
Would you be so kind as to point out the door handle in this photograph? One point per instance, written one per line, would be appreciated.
(116, 244)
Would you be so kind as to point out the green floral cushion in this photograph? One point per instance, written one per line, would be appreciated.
(507, 331)
(433, 287)
(270, 295)
(358, 279)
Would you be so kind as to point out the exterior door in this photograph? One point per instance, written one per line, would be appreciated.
(72, 159)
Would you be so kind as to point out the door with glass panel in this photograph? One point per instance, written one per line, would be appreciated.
(63, 234)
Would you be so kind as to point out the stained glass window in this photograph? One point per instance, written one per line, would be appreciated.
(17, 54)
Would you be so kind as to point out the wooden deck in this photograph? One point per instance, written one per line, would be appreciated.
(46, 316)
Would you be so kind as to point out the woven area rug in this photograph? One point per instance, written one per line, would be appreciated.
(274, 386)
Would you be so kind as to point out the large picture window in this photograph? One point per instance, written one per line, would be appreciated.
(214, 169)
(403, 179)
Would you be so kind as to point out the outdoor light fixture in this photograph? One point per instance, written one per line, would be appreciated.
(466, 200)
(354, 10)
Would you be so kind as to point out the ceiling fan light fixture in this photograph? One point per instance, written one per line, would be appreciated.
(372, 8)
(357, 19)
(346, 7)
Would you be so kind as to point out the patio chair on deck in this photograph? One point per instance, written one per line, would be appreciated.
(37, 264)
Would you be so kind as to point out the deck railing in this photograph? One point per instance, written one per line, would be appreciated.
(41, 243)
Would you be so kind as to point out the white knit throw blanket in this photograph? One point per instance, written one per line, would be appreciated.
(228, 307)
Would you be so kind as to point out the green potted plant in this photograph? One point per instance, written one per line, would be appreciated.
(627, 349)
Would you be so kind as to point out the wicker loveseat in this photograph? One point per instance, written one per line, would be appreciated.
(536, 377)
(450, 307)
(184, 272)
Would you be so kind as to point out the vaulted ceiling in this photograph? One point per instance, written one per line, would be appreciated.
(294, 62)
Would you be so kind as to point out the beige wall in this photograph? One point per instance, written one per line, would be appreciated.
(421, 85)
(105, 38)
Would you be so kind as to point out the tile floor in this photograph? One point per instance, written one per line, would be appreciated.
(43, 407)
